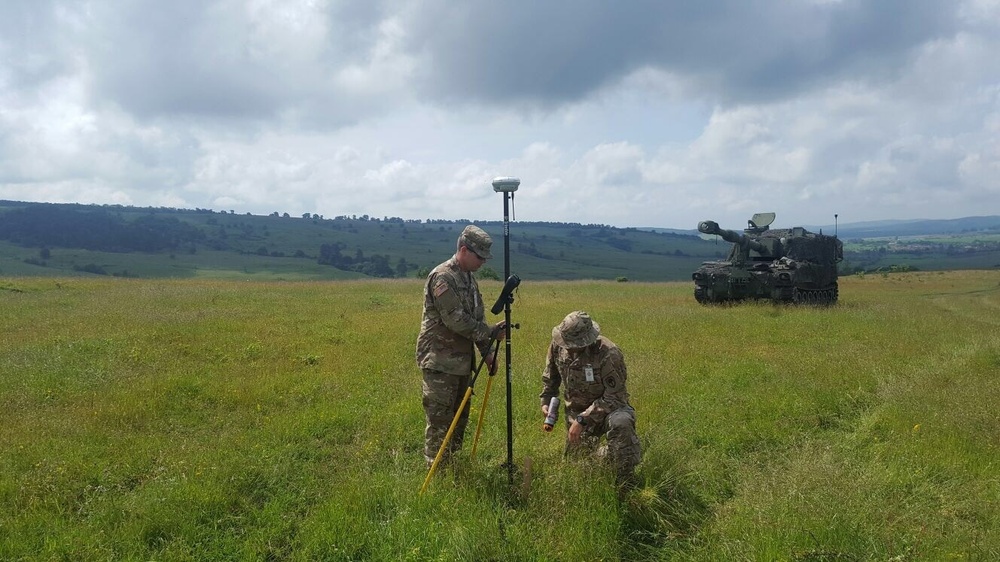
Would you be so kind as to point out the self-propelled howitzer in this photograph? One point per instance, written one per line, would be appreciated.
(782, 265)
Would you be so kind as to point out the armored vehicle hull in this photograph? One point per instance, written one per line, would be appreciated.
(782, 265)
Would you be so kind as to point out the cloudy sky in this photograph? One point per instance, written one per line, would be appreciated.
(637, 113)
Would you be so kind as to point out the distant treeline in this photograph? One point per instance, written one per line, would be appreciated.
(396, 247)
(96, 229)
(375, 266)
(103, 229)
(122, 229)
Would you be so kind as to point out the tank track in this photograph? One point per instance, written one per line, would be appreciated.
(701, 295)
(826, 296)
(797, 295)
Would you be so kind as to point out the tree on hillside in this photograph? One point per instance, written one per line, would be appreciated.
(402, 267)
(329, 254)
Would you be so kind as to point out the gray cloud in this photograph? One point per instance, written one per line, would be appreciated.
(726, 50)
(631, 113)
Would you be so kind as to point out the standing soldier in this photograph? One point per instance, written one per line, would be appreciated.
(453, 326)
(592, 368)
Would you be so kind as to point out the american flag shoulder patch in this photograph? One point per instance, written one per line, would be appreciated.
(440, 289)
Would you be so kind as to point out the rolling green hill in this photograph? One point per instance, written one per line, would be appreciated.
(50, 239)
(46, 239)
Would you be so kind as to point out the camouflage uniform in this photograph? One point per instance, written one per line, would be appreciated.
(452, 326)
(593, 370)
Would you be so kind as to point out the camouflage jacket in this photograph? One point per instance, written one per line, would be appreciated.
(594, 379)
(453, 321)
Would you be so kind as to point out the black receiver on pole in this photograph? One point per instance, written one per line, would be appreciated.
(507, 186)
(506, 294)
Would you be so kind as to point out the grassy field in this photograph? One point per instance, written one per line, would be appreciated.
(268, 420)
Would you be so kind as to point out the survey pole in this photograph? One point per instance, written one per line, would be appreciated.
(507, 186)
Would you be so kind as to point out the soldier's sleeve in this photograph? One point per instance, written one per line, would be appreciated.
(613, 375)
(485, 341)
(485, 345)
(551, 378)
(444, 295)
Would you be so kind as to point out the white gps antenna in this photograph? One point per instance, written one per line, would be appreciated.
(505, 184)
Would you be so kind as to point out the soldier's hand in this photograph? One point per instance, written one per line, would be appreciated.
(499, 331)
(545, 410)
(575, 431)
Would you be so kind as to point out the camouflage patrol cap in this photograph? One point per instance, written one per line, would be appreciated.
(576, 330)
(476, 240)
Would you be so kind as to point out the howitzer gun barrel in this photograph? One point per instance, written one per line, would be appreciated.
(712, 227)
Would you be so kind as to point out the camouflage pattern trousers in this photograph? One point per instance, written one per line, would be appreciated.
(442, 396)
(623, 450)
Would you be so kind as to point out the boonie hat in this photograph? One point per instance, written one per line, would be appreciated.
(476, 240)
(577, 330)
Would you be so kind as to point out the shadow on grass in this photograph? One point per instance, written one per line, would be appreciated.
(497, 484)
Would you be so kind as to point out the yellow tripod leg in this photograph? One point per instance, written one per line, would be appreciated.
(486, 397)
(482, 413)
(447, 438)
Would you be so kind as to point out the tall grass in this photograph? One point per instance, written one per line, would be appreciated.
(216, 420)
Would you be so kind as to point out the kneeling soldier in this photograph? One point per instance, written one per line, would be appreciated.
(592, 368)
